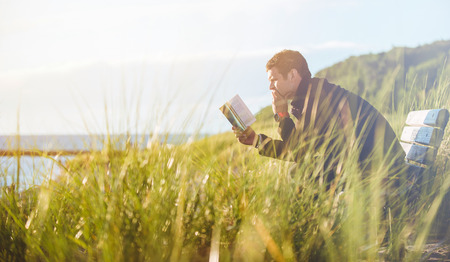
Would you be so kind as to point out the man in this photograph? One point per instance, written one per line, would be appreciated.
(333, 127)
(328, 120)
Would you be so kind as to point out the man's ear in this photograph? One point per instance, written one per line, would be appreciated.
(292, 73)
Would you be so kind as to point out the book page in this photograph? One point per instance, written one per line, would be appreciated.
(242, 110)
(231, 116)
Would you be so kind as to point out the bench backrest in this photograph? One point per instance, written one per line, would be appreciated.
(422, 135)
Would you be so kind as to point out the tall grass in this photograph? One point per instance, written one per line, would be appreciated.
(216, 199)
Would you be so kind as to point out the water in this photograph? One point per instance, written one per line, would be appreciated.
(35, 169)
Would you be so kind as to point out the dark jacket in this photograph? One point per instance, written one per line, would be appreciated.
(331, 118)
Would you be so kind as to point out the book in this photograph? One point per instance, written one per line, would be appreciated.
(237, 113)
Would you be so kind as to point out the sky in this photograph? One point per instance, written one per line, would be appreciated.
(77, 67)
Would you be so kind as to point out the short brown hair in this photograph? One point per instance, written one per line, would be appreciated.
(285, 60)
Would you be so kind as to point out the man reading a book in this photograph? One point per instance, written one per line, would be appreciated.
(324, 119)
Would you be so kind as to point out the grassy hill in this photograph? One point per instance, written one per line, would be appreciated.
(385, 78)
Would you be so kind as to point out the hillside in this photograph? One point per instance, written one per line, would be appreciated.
(391, 75)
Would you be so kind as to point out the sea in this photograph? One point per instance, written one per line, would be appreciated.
(33, 170)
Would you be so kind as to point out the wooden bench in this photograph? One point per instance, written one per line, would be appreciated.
(422, 136)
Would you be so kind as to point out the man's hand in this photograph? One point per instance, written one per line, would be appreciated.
(279, 103)
(246, 137)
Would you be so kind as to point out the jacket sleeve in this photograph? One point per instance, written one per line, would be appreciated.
(279, 149)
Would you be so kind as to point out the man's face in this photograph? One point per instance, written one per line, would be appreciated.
(286, 87)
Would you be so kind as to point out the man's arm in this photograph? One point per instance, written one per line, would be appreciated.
(279, 149)
(267, 146)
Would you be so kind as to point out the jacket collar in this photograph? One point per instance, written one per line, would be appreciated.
(300, 95)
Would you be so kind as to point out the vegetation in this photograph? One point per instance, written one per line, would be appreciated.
(214, 198)
(385, 79)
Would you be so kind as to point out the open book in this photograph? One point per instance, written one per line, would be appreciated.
(237, 112)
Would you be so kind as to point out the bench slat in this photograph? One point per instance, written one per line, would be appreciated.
(417, 153)
(414, 169)
(433, 117)
(423, 135)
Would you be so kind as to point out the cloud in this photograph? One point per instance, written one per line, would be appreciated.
(306, 48)
(337, 45)
(113, 16)
(167, 59)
